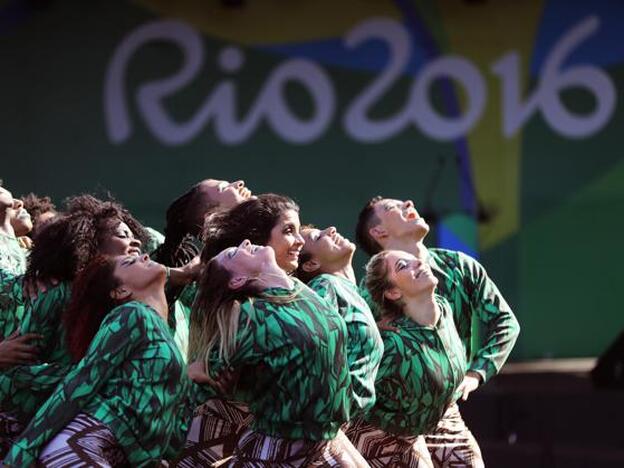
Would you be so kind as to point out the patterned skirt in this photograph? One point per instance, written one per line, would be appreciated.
(256, 450)
(215, 431)
(85, 442)
(452, 444)
(383, 449)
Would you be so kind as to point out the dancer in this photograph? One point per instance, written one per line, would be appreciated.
(269, 219)
(325, 263)
(393, 224)
(125, 401)
(12, 255)
(182, 241)
(291, 348)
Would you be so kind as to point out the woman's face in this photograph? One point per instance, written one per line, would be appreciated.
(410, 276)
(20, 218)
(247, 260)
(286, 241)
(118, 239)
(326, 246)
(138, 272)
(223, 193)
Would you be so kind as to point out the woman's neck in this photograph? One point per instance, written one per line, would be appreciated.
(422, 309)
(346, 272)
(275, 278)
(5, 223)
(156, 299)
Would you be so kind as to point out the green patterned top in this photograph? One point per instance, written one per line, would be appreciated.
(364, 345)
(420, 371)
(293, 361)
(12, 255)
(132, 378)
(474, 298)
(11, 302)
(43, 316)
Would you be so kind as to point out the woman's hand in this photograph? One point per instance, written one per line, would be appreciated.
(186, 274)
(224, 383)
(32, 287)
(469, 384)
(17, 349)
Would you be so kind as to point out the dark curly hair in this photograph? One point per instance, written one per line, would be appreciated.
(36, 206)
(253, 219)
(65, 245)
(367, 219)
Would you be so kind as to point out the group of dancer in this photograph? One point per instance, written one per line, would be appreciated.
(238, 338)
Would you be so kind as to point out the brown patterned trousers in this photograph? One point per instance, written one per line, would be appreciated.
(452, 445)
(84, 442)
(256, 450)
(383, 449)
(215, 431)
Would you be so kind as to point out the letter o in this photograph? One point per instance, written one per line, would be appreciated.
(427, 118)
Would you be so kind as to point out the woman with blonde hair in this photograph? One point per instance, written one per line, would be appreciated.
(421, 371)
(289, 348)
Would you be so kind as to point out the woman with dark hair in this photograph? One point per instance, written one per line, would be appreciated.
(271, 220)
(290, 348)
(186, 214)
(181, 244)
(125, 400)
(62, 248)
(325, 264)
(422, 370)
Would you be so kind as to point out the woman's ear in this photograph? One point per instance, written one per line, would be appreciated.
(237, 282)
(378, 232)
(120, 293)
(311, 266)
(393, 294)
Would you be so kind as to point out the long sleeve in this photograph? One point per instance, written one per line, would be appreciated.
(23, 389)
(364, 343)
(500, 328)
(11, 302)
(118, 335)
(43, 316)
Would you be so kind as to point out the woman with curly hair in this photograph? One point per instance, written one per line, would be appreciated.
(90, 227)
(125, 400)
(290, 347)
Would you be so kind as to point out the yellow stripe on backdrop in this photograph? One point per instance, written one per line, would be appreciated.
(496, 159)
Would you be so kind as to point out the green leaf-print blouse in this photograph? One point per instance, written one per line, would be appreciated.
(473, 297)
(132, 378)
(364, 345)
(420, 371)
(294, 365)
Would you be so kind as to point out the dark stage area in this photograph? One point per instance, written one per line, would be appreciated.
(547, 414)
